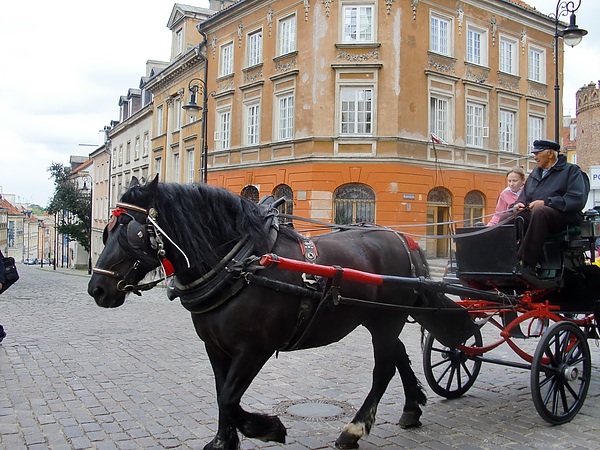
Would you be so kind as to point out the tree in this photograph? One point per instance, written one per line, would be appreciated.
(71, 205)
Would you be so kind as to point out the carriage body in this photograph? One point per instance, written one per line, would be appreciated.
(559, 308)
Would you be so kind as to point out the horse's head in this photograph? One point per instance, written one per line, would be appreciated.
(130, 249)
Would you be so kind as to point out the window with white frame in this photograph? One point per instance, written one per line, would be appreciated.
(356, 110)
(223, 134)
(226, 59)
(190, 172)
(176, 168)
(177, 113)
(179, 41)
(128, 152)
(509, 54)
(537, 68)
(475, 121)
(255, 40)
(146, 144)
(287, 35)
(506, 130)
(160, 119)
(535, 128)
(285, 116)
(253, 124)
(136, 151)
(440, 35)
(439, 118)
(358, 23)
(476, 45)
(158, 167)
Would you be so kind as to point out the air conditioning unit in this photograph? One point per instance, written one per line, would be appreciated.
(485, 132)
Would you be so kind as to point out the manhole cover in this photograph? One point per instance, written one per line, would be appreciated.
(314, 410)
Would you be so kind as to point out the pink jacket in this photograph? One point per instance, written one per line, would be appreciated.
(507, 198)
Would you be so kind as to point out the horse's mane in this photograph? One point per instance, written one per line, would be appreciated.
(203, 220)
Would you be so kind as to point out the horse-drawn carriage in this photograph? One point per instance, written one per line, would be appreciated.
(255, 288)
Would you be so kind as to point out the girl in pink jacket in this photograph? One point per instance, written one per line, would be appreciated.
(516, 180)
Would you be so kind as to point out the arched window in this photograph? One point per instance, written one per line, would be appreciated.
(474, 207)
(251, 193)
(283, 190)
(354, 203)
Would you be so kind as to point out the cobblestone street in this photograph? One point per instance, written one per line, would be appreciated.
(77, 376)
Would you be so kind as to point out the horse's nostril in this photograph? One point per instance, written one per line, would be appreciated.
(96, 292)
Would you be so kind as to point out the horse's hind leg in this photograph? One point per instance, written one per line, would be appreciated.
(413, 391)
(233, 376)
(386, 348)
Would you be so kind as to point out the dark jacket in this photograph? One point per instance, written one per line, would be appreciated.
(564, 188)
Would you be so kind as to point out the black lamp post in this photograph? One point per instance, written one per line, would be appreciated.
(195, 86)
(85, 188)
(572, 35)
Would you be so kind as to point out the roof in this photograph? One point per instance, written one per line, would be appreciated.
(12, 210)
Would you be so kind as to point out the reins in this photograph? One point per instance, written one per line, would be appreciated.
(484, 229)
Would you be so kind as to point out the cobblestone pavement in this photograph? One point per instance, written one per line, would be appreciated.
(76, 376)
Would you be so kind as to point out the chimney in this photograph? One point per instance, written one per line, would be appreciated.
(218, 5)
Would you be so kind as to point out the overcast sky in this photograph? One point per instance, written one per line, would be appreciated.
(65, 64)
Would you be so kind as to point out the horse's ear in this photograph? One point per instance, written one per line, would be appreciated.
(153, 185)
(134, 182)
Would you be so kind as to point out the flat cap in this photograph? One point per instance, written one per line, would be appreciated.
(543, 144)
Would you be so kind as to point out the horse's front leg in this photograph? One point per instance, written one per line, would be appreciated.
(231, 386)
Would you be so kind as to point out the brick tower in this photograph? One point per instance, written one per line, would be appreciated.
(588, 126)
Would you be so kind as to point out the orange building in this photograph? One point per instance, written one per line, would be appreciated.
(336, 104)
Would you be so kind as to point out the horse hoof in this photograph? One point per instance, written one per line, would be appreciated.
(346, 441)
(219, 444)
(410, 419)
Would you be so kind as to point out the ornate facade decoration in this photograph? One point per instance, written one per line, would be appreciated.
(388, 5)
(359, 58)
(441, 67)
(507, 84)
(226, 86)
(536, 92)
(240, 33)
(270, 13)
(494, 30)
(414, 4)
(306, 8)
(327, 4)
(214, 46)
(523, 40)
(476, 77)
(460, 15)
(280, 68)
(252, 78)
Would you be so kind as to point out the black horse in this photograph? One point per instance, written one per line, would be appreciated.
(243, 313)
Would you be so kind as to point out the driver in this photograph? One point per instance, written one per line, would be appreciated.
(552, 199)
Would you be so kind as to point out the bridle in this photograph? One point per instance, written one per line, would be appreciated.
(140, 236)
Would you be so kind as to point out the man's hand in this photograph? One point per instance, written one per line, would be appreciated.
(519, 207)
(536, 203)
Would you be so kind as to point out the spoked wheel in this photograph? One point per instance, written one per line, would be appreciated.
(449, 371)
(560, 373)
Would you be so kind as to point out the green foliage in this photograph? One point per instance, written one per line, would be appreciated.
(71, 205)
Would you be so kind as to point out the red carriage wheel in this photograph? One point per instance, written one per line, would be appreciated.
(449, 371)
(560, 373)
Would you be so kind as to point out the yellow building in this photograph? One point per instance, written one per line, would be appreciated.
(337, 105)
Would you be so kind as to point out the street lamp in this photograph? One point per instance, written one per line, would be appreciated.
(572, 35)
(192, 109)
(85, 188)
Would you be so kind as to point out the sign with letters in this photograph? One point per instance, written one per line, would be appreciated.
(594, 177)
